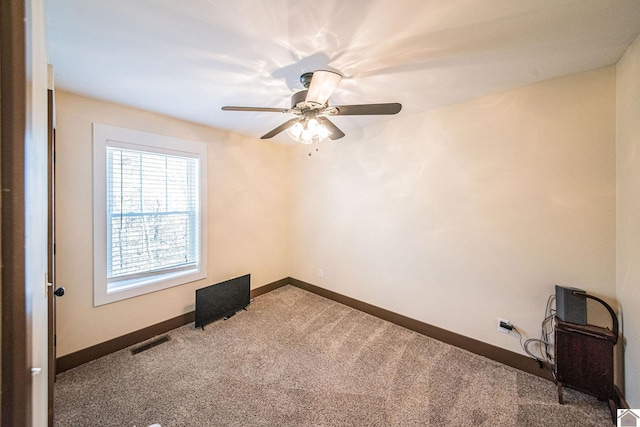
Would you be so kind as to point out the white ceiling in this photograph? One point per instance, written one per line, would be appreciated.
(188, 58)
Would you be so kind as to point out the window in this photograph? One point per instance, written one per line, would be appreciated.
(149, 212)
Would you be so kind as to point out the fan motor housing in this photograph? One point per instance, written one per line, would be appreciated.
(305, 79)
(299, 102)
(298, 97)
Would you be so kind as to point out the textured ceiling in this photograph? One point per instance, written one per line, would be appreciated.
(187, 59)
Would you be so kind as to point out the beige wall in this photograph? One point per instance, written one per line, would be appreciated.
(247, 225)
(454, 217)
(464, 214)
(628, 213)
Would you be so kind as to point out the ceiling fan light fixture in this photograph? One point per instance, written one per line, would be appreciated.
(308, 133)
(295, 131)
(311, 106)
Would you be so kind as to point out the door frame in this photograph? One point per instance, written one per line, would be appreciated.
(51, 251)
(16, 382)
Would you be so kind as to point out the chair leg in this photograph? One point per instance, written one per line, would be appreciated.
(560, 398)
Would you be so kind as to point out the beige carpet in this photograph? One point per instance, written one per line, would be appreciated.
(297, 359)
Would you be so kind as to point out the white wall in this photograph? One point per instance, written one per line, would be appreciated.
(247, 225)
(628, 213)
(464, 214)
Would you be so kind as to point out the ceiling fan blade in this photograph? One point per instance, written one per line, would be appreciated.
(367, 109)
(261, 109)
(335, 132)
(279, 129)
(323, 83)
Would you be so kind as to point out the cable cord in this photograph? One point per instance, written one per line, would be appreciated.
(545, 342)
(545, 335)
(525, 345)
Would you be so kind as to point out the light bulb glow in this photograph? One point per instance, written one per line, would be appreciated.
(308, 133)
(295, 131)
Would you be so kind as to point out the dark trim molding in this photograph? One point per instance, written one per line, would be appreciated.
(498, 354)
(269, 287)
(88, 354)
(489, 351)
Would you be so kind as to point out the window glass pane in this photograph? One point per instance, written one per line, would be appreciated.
(152, 213)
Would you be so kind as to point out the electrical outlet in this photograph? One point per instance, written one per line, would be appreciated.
(320, 273)
(504, 326)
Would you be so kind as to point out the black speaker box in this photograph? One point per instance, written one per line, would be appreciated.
(571, 307)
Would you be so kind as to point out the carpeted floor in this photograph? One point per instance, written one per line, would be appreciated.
(297, 359)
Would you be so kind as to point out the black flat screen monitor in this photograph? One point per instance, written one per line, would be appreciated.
(222, 299)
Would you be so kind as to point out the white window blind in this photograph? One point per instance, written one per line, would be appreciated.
(152, 213)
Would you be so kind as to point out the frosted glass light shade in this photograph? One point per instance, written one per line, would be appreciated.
(309, 133)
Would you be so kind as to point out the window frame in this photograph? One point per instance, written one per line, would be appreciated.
(111, 136)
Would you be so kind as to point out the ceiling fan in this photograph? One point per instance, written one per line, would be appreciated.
(312, 110)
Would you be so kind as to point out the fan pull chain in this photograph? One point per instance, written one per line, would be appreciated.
(316, 144)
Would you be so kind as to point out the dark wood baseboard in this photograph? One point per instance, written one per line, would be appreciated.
(269, 287)
(498, 354)
(489, 351)
(88, 354)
